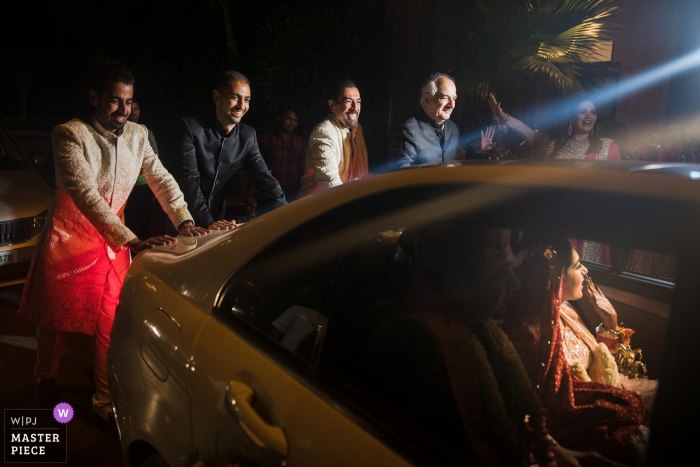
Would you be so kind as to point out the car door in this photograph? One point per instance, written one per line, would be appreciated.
(151, 344)
(255, 388)
(251, 386)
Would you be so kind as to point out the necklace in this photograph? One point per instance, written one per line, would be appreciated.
(573, 149)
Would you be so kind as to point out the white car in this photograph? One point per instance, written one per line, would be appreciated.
(257, 345)
(24, 201)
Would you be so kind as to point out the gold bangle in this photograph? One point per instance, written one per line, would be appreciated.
(602, 331)
(618, 329)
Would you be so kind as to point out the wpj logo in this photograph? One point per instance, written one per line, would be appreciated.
(37, 435)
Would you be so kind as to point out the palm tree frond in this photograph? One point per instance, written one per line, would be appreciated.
(563, 76)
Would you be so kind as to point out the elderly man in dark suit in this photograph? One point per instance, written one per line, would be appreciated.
(429, 137)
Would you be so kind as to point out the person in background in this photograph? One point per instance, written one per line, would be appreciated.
(207, 150)
(140, 207)
(429, 137)
(336, 153)
(578, 140)
(82, 253)
(506, 137)
(284, 154)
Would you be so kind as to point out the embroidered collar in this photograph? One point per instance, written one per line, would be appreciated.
(106, 133)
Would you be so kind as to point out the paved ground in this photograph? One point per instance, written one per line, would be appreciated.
(87, 446)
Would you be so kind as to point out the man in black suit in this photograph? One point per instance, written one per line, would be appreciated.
(207, 151)
(429, 137)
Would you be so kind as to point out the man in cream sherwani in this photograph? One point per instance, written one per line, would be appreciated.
(82, 253)
(336, 152)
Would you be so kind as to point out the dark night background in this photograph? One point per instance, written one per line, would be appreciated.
(292, 50)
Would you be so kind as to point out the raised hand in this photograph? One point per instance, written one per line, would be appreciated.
(601, 304)
(496, 107)
(487, 142)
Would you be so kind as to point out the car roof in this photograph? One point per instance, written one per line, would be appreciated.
(680, 182)
(669, 168)
(666, 181)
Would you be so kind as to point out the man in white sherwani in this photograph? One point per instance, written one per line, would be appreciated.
(82, 253)
(336, 153)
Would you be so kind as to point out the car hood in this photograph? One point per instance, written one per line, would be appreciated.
(23, 193)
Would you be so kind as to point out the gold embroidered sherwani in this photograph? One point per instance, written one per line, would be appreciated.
(84, 234)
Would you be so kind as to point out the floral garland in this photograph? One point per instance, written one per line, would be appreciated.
(519, 412)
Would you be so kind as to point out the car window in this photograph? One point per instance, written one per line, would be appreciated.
(283, 294)
(635, 260)
(650, 263)
(592, 251)
(382, 339)
(10, 157)
(384, 345)
(283, 304)
(372, 288)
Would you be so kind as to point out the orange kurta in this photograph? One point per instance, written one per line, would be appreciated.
(84, 233)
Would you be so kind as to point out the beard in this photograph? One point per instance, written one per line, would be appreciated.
(351, 119)
(114, 124)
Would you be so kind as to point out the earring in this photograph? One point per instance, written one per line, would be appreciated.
(570, 131)
(592, 131)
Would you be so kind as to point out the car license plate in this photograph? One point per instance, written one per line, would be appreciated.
(9, 257)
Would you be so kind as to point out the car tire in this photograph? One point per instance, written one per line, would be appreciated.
(154, 460)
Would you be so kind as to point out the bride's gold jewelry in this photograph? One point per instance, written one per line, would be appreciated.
(603, 331)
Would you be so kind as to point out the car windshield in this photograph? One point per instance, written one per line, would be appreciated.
(10, 156)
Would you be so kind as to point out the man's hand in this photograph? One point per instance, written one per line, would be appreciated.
(223, 225)
(137, 245)
(188, 229)
(567, 458)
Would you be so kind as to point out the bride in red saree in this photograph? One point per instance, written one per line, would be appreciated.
(581, 415)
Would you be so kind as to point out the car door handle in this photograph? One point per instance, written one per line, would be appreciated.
(162, 330)
(240, 397)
